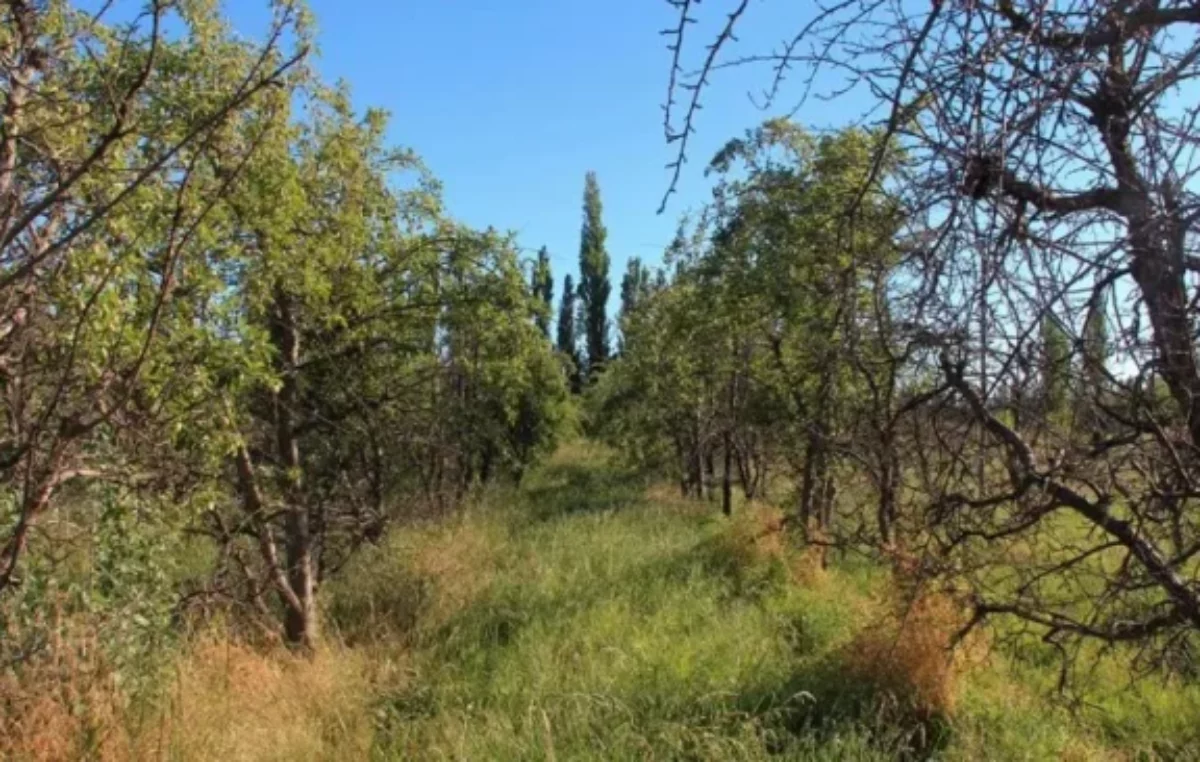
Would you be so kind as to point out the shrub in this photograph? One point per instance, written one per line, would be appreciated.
(909, 653)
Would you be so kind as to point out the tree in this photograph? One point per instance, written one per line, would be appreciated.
(542, 288)
(568, 342)
(1047, 150)
(594, 286)
(635, 286)
(225, 315)
(1055, 368)
(402, 357)
(1096, 348)
(118, 142)
(312, 295)
(744, 353)
(779, 253)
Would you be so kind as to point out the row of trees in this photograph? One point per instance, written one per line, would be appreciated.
(582, 329)
(966, 334)
(230, 309)
(739, 358)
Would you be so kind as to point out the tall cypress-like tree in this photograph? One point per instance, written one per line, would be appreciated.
(1094, 377)
(1056, 367)
(634, 285)
(1095, 344)
(594, 286)
(542, 288)
(568, 343)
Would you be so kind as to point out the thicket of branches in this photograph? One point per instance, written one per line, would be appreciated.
(230, 310)
(965, 330)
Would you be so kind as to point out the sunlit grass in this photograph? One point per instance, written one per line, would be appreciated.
(592, 616)
(615, 626)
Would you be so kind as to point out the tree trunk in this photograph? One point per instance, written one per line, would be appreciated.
(889, 479)
(727, 484)
(683, 468)
(710, 474)
(828, 498)
(808, 485)
(300, 618)
(745, 473)
(697, 474)
(486, 459)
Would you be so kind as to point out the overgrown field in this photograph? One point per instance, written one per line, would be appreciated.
(592, 616)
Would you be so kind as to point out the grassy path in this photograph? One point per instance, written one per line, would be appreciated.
(586, 618)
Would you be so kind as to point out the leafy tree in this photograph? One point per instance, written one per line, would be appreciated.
(1096, 349)
(507, 388)
(314, 294)
(421, 309)
(231, 308)
(780, 254)
(118, 142)
(743, 354)
(594, 285)
(1055, 368)
(568, 342)
(635, 285)
(542, 287)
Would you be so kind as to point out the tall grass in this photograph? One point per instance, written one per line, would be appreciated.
(220, 700)
(590, 616)
(604, 624)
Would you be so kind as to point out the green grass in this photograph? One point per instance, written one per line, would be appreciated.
(579, 619)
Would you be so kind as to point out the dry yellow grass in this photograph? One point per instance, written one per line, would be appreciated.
(760, 531)
(236, 704)
(63, 704)
(1081, 751)
(227, 701)
(809, 565)
(755, 535)
(909, 650)
(666, 495)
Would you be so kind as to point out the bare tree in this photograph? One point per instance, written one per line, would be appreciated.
(1048, 171)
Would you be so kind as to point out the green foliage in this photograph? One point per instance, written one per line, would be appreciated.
(542, 287)
(103, 577)
(748, 346)
(635, 287)
(114, 210)
(274, 321)
(594, 285)
(567, 339)
(1055, 368)
(232, 310)
(1096, 347)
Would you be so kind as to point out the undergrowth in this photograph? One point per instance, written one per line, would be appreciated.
(592, 616)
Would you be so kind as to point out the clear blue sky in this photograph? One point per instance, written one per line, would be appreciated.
(510, 102)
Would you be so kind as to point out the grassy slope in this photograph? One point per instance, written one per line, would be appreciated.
(584, 619)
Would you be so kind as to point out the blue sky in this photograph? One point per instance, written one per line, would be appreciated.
(510, 102)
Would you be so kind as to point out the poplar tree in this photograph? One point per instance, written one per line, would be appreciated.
(568, 343)
(542, 288)
(594, 285)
